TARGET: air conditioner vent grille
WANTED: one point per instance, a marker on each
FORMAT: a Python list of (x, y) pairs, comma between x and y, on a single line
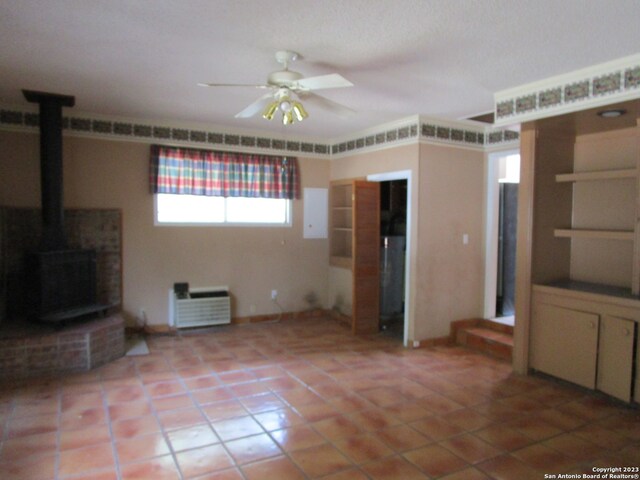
[(204, 310)]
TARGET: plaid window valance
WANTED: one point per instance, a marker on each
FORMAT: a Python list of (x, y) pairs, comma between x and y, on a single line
[(190, 171)]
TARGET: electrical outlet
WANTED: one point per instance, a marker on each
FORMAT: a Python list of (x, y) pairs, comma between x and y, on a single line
[(274, 294)]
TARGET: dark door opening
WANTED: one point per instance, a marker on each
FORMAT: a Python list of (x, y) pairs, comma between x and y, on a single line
[(393, 230), (507, 227)]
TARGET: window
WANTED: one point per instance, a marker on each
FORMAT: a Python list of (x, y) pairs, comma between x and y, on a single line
[(205, 187), (203, 210)]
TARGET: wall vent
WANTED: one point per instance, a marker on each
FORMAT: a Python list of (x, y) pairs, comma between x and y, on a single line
[(202, 307)]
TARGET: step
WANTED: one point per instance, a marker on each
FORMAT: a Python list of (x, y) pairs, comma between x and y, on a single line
[(489, 337), (487, 341)]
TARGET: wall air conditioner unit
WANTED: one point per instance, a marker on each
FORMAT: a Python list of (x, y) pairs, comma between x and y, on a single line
[(201, 307)]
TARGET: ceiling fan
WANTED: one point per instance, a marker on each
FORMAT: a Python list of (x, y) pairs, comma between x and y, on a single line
[(287, 88)]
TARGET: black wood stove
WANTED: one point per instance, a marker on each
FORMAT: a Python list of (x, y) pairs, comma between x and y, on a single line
[(61, 281)]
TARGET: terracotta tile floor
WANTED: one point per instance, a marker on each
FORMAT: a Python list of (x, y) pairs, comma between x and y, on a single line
[(305, 399)]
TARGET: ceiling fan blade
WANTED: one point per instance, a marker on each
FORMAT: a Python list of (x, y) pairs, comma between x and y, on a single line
[(232, 85), (325, 103), (333, 80), (256, 106)]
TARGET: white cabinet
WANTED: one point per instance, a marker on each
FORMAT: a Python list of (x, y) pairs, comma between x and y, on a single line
[(565, 343), (615, 357), (585, 337)]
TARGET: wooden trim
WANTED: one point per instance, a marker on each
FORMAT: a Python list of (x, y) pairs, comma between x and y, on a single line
[(433, 342), (273, 317), (341, 317), (159, 330)]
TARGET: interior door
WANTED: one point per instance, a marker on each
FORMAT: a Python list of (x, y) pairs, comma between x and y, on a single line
[(366, 257)]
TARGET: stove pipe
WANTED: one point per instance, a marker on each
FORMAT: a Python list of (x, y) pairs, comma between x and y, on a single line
[(51, 185)]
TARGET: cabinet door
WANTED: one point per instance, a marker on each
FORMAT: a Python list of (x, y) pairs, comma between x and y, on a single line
[(366, 257), (564, 343), (615, 357)]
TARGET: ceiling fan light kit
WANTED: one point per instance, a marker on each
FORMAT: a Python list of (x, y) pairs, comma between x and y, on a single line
[(285, 85), (291, 109), (299, 111)]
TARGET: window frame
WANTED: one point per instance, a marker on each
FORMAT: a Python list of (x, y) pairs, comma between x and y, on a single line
[(287, 224)]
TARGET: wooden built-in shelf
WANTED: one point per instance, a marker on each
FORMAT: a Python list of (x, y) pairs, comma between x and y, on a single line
[(342, 229), (598, 175), (601, 234)]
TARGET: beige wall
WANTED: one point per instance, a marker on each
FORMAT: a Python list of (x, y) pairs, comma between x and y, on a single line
[(251, 261), (447, 188), (446, 202), (450, 274)]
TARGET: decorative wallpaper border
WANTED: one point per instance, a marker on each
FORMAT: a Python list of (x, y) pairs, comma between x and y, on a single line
[(154, 133), (598, 85), (430, 131), (379, 139), (482, 137)]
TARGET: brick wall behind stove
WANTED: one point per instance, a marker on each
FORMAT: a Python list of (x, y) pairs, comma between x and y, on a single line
[(20, 231)]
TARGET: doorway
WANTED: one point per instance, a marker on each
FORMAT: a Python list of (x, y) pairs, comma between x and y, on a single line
[(401, 195), (393, 235), (503, 177), (507, 230)]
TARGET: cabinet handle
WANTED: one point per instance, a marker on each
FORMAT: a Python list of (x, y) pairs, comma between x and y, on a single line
[(592, 324)]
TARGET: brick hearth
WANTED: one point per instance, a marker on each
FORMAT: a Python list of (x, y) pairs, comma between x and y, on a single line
[(40, 350)]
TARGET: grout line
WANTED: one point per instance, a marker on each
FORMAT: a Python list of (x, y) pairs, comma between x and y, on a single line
[(155, 413), (105, 404)]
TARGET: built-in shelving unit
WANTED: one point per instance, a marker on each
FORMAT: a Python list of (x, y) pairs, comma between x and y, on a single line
[(355, 245), (341, 221), (596, 176), (579, 244)]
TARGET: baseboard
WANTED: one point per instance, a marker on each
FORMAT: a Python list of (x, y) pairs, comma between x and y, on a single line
[(341, 317), (315, 313), (431, 342), (158, 330)]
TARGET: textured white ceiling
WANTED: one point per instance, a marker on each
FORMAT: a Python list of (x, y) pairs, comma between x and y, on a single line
[(442, 58)]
